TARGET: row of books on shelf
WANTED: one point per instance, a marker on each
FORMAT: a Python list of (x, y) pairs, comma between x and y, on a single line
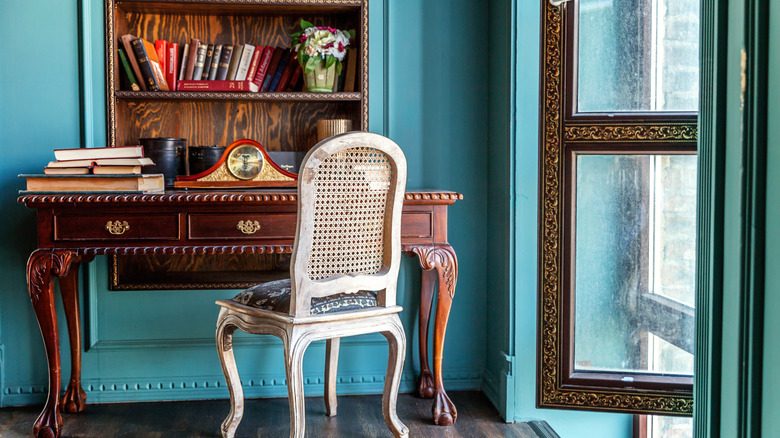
[(110, 169), (200, 66)]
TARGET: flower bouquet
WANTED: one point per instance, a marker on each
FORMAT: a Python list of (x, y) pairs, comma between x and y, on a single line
[(320, 52)]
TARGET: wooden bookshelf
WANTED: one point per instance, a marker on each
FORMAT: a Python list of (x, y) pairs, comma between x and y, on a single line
[(279, 121)]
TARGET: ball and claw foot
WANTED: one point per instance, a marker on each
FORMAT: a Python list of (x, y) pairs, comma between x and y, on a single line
[(444, 412), (425, 386), (48, 424), (74, 400)]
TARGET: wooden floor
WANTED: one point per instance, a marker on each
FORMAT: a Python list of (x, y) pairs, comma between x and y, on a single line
[(358, 416)]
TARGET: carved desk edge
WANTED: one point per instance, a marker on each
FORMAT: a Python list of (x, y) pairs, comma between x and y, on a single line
[(417, 197)]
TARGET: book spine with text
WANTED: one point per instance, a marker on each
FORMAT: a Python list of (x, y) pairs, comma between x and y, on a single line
[(200, 62), (224, 62), (269, 74), (262, 67), (127, 43), (215, 62), (236, 86), (159, 74), (170, 65), (143, 64), (161, 47), (250, 74), (246, 59), (207, 62)]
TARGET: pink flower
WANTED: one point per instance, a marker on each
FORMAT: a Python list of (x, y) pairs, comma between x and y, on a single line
[(341, 47)]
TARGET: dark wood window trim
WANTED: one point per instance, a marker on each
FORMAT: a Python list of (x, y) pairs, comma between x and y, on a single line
[(565, 134)]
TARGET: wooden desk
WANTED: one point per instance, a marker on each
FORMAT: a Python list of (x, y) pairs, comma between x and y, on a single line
[(72, 229)]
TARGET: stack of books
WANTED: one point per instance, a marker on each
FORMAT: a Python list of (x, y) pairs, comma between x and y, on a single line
[(114, 169), (214, 67), (122, 160)]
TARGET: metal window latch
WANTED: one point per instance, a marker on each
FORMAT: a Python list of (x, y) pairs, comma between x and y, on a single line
[(558, 2)]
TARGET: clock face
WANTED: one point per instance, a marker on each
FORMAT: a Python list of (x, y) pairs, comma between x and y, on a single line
[(245, 162)]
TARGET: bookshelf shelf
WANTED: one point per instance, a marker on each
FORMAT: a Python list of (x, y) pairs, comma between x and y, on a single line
[(218, 96), (282, 121)]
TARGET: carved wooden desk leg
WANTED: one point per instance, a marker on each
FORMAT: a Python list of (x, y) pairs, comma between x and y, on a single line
[(425, 385), (75, 399), (440, 257), (42, 267)]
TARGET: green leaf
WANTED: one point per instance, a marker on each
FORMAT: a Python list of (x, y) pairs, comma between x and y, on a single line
[(305, 24), (338, 68), (350, 33), (329, 60), (296, 35), (311, 63)]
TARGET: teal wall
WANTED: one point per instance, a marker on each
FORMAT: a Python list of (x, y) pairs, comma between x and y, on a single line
[(158, 345)]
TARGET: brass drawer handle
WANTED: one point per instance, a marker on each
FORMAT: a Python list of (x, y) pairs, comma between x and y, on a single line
[(116, 227), (248, 227)]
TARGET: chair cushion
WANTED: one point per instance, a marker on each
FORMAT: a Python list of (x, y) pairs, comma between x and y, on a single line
[(275, 296)]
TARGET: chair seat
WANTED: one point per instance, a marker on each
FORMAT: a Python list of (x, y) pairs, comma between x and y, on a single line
[(275, 296)]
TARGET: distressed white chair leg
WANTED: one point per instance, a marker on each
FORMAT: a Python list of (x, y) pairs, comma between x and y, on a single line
[(395, 364), (293, 359), (225, 349), (331, 369)]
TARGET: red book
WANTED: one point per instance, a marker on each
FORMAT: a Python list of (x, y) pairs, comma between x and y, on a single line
[(250, 74), (171, 62), (288, 71), (262, 67), (278, 53), (235, 86), (296, 77), (161, 47)]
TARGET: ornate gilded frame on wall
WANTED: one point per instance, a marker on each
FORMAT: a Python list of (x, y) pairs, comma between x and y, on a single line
[(559, 127)]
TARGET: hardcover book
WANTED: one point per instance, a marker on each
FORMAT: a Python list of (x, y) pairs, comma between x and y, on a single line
[(161, 48), (127, 44), (269, 74), (89, 162), (154, 62), (225, 86), (234, 61), (207, 62), (215, 62), (262, 66), (250, 74), (128, 70), (185, 55), (246, 60), (200, 62), (191, 55), (170, 65), (296, 78), (95, 183), (224, 62), (279, 71), (292, 63), (93, 153)]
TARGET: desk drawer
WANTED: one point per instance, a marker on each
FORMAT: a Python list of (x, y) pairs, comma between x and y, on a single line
[(119, 226), (220, 226)]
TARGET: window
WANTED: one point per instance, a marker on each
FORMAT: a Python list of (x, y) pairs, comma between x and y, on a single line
[(618, 207)]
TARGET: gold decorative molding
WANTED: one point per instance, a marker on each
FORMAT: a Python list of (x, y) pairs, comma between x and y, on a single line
[(551, 392), (673, 132)]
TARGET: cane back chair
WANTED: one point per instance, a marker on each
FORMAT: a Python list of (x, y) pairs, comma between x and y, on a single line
[(343, 273)]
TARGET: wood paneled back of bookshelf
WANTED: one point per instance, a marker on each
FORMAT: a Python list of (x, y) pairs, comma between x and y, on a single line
[(278, 120)]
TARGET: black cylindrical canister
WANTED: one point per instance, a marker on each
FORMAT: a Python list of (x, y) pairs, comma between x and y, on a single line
[(168, 155), (203, 157)]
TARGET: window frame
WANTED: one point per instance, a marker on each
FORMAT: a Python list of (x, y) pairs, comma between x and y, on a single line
[(565, 134)]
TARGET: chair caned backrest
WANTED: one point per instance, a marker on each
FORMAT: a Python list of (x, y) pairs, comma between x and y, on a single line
[(350, 196)]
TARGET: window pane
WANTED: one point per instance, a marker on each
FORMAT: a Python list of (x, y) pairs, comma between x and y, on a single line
[(669, 427), (634, 258), (638, 55)]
